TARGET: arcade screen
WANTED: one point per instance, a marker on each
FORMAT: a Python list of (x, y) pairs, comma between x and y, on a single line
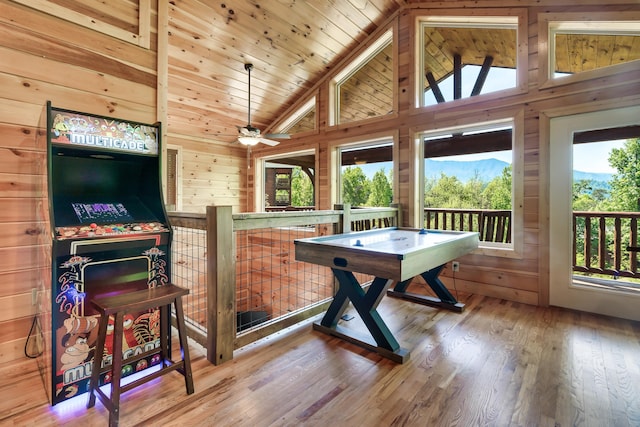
[(117, 189), (102, 213)]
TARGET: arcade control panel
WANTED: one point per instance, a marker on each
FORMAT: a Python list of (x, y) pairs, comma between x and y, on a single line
[(97, 230)]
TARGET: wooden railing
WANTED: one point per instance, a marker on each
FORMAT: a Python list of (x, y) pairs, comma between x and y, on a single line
[(230, 245), (606, 243), (492, 225)]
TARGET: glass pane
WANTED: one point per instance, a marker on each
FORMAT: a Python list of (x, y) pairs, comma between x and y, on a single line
[(606, 209), (367, 175), (368, 92), (485, 57), (468, 183), (577, 52)]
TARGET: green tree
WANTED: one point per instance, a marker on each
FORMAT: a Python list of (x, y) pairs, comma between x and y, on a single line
[(445, 192), (355, 186), (381, 192), (588, 195), (497, 193), (625, 186), (301, 188)]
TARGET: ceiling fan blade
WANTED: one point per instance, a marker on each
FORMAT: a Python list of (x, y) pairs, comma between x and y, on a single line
[(278, 135), (269, 142)]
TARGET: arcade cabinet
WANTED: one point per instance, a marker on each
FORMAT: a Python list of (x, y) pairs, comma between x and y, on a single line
[(110, 234)]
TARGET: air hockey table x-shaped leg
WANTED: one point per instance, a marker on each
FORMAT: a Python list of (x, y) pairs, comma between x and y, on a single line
[(366, 304)]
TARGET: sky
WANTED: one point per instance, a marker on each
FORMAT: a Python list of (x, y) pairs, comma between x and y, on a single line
[(594, 157), (591, 157)]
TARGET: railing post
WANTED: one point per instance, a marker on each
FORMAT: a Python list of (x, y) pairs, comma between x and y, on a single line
[(398, 213), (344, 226), (221, 285)]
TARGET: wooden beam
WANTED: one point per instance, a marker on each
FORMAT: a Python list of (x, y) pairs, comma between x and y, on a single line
[(482, 75), (467, 144), (457, 76), (606, 134), (369, 155), (435, 88)]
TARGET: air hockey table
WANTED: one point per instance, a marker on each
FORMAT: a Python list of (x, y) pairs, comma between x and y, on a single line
[(391, 255)]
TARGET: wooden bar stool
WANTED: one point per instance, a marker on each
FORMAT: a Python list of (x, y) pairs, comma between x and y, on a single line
[(118, 306)]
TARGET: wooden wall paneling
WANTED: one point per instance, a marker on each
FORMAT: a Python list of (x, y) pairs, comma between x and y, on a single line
[(20, 233), (43, 69), (210, 172), (23, 185), (16, 307), (31, 91), (19, 137), (19, 209), (62, 41), (14, 331), (500, 292), (130, 23), (20, 281), (19, 161)]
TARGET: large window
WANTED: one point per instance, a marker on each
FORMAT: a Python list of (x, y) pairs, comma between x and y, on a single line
[(365, 88), (462, 56), (473, 181)]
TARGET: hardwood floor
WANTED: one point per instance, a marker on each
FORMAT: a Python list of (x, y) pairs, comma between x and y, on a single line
[(498, 363)]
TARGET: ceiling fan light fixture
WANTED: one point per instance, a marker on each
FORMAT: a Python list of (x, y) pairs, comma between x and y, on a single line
[(248, 140)]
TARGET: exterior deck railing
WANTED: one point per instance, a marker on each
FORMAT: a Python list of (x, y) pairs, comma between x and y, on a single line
[(606, 243), (492, 225)]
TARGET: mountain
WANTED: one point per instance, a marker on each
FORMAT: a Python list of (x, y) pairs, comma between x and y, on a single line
[(486, 169), (592, 176)]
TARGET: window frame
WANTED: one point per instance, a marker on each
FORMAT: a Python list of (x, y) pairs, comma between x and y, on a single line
[(387, 36), (260, 175), (516, 120), (335, 158), (178, 175), (292, 119), (481, 18), (547, 28)]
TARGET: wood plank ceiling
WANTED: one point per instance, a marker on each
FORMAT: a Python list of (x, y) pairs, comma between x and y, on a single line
[(292, 44)]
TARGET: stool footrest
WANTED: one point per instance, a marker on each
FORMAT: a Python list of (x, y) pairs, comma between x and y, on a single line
[(153, 375)]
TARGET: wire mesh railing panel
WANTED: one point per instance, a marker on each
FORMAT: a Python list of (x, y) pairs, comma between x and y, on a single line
[(270, 283), (189, 270)]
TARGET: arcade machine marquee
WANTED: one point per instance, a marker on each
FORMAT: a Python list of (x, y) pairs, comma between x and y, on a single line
[(110, 234)]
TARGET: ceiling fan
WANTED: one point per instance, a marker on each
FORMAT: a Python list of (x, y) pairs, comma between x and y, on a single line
[(249, 135)]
